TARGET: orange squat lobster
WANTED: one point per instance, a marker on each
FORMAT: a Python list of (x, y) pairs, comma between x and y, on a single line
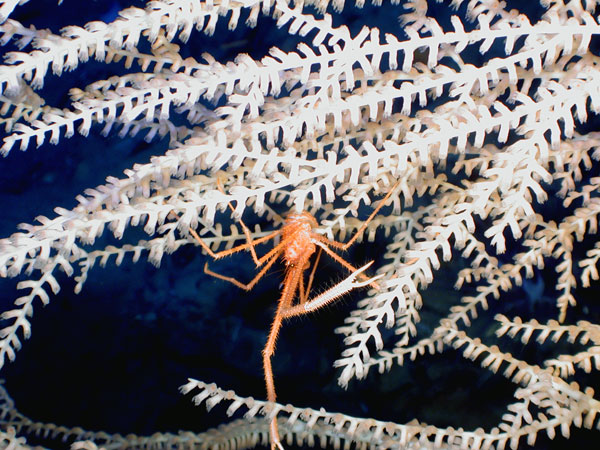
[(298, 243)]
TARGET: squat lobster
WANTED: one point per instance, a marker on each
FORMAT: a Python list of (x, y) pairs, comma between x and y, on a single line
[(298, 244)]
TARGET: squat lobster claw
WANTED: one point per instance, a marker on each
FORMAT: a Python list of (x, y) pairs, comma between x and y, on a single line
[(297, 245)]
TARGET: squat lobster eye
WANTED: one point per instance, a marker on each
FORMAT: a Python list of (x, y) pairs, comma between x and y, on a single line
[(297, 245)]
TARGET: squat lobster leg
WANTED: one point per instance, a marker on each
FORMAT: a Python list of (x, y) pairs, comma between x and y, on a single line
[(285, 310), (270, 257), (238, 248)]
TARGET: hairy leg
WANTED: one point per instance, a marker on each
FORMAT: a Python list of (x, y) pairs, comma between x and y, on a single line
[(332, 294), (238, 283), (361, 230), (321, 243), (248, 245)]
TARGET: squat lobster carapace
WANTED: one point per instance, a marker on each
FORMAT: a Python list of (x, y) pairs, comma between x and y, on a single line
[(298, 243)]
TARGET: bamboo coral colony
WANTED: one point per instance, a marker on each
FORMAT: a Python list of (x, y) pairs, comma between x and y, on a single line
[(478, 115)]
